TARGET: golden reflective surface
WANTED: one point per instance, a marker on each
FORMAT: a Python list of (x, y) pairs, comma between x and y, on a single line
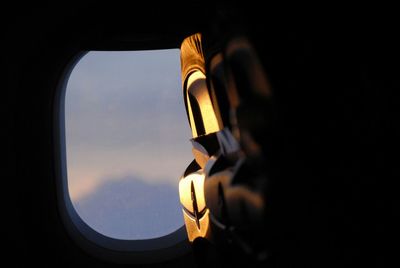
[(197, 88), (195, 213), (185, 192)]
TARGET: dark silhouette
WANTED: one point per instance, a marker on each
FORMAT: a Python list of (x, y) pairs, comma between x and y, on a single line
[(333, 154)]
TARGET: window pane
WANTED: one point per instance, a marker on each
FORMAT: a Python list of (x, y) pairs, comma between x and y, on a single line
[(127, 142)]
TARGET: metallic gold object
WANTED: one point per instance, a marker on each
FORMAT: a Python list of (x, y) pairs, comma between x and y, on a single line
[(195, 212), (222, 192)]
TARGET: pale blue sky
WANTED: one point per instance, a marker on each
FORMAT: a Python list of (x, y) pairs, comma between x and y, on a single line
[(125, 122)]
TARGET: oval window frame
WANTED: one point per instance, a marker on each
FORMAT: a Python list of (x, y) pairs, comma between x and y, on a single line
[(144, 251)]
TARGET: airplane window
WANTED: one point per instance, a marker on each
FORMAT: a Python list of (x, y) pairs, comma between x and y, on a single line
[(127, 142)]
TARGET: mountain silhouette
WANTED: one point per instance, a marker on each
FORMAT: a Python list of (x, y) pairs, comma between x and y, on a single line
[(131, 208)]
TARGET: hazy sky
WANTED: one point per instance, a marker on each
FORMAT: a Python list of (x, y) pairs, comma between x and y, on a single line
[(125, 118)]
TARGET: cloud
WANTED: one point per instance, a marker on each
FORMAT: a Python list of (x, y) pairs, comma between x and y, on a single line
[(125, 115), (130, 208), (88, 170)]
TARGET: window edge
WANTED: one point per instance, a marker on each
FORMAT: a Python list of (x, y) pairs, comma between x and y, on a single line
[(152, 250)]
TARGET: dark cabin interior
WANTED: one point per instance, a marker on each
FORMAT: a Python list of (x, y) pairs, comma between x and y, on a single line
[(332, 154)]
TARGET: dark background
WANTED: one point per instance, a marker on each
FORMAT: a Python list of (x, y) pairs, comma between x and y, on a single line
[(334, 159)]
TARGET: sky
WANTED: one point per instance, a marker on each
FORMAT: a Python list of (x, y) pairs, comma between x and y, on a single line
[(126, 128)]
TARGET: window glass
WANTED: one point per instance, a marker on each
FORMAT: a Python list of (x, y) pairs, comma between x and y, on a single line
[(127, 140)]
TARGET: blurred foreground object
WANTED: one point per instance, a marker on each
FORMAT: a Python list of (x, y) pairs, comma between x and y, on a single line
[(227, 98)]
